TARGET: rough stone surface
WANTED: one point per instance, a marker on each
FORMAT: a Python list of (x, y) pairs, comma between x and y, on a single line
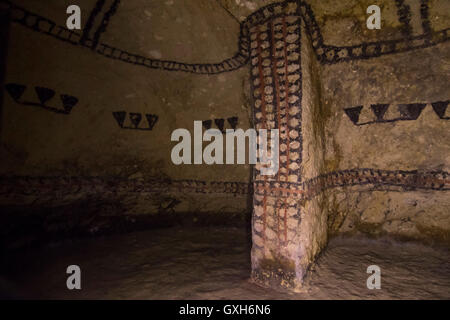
[(363, 116)]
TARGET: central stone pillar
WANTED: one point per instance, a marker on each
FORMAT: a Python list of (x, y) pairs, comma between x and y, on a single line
[(283, 241)]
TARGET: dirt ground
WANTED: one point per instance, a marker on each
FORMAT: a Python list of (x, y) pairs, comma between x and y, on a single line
[(214, 263)]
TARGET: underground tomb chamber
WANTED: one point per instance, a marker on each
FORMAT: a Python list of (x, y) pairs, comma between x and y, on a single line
[(362, 115), (333, 177)]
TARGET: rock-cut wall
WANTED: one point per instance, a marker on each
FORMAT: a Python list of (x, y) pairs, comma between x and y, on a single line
[(363, 116), (363, 134)]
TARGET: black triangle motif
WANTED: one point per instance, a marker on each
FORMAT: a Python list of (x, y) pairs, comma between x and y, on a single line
[(120, 117), (440, 107), (135, 119), (220, 123), (151, 119), (44, 94), (379, 110), (411, 111), (207, 124), (353, 113), (15, 90), (233, 121), (68, 102)]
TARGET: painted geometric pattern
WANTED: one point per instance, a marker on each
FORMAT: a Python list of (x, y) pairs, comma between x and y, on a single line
[(276, 86), (326, 54), (402, 112)]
